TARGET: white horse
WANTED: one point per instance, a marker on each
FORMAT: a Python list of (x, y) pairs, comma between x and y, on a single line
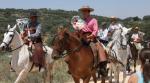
[(20, 61), (118, 54)]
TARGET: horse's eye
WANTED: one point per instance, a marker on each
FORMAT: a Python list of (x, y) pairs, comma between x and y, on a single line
[(11, 35)]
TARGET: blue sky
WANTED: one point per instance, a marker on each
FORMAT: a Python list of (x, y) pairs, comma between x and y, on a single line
[(118, 8)]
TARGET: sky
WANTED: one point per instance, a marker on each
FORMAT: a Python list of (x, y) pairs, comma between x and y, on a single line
[(118, 8)]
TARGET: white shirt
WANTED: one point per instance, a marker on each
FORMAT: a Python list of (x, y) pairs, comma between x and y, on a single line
[(113, 27), (135, 37), (102, 34)]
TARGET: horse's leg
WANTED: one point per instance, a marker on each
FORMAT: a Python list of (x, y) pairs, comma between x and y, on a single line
[(94, 77), (110, 71), (98, 72), (76, 80), (134, 65), (23, 74), (128, 65), (124, 74), (116, 73), (103, 79), (87, 79), (48, 75)]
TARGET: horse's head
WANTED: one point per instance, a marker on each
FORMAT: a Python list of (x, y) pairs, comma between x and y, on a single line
[(123, 37), (8, 37), (64, 41), (59, 43)]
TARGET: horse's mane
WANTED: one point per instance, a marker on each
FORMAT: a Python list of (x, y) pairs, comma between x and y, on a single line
[(17, 33), (116, 34), (74, 36)]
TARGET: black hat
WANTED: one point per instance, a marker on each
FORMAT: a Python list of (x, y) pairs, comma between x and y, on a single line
[(33, 14)]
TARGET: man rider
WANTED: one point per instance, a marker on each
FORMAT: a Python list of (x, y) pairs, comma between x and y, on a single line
[(114, 25), (91, 27), (136, 37), (102, 33), (32, 37)]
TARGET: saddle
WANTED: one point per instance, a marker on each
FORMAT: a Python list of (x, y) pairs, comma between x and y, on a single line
[(96, 46)]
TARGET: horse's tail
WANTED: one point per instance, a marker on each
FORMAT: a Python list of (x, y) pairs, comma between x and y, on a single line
[(31, 67)]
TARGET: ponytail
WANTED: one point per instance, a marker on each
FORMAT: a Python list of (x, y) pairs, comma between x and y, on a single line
[(145, 60)]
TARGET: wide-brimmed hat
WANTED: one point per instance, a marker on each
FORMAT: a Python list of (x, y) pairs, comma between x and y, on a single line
[(33, 14), (104, 23), (86, 8), (113, 17), (136, 28)]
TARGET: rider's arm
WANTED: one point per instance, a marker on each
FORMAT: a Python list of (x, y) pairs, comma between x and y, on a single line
[(95, 28), (105, 33), (38, 31)]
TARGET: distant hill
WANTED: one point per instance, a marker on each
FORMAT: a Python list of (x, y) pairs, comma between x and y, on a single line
[(51, 19)]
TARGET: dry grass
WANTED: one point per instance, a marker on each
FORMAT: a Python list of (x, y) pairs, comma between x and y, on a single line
[(59, 72)]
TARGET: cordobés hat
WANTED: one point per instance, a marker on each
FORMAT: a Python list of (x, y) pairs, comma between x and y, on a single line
[(86, 8)]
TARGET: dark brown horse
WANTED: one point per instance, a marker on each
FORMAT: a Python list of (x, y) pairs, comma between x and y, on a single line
[(78, 57), (134, 57)]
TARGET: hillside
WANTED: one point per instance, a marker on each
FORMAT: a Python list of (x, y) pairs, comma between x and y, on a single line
[(51, 19)]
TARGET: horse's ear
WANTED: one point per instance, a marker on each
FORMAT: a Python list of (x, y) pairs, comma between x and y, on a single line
[(8, 26), (15, 26), (66, 35)]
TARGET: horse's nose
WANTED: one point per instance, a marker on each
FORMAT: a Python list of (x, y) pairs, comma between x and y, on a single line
[(55, 56), (2, 48)]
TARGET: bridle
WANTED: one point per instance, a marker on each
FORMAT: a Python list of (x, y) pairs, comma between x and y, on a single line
[(8, 44), (121, 40), (62, 47)]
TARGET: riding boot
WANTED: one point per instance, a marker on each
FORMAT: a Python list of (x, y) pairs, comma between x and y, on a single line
[(103, 68)]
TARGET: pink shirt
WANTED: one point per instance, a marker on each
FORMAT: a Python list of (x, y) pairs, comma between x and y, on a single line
[(91, 26)]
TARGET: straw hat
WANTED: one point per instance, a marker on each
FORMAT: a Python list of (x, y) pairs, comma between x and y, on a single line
[(113, 17), (86, 8)]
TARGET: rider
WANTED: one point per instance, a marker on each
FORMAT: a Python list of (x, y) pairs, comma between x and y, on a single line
[(91, 27), (102, 33), (136, 37), (32, 37), (114, 25)]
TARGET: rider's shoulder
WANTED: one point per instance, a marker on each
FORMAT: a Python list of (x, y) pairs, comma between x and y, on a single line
[(94, 19)]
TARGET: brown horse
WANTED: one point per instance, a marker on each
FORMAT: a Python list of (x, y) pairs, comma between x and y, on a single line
[(78, 57)]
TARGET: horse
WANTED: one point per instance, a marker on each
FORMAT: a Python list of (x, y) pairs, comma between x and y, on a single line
[(20, 61), (133, 55), (79, 57), (118, 54)]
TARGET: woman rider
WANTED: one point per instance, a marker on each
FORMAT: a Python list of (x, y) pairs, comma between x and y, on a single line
[(143, 75)]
